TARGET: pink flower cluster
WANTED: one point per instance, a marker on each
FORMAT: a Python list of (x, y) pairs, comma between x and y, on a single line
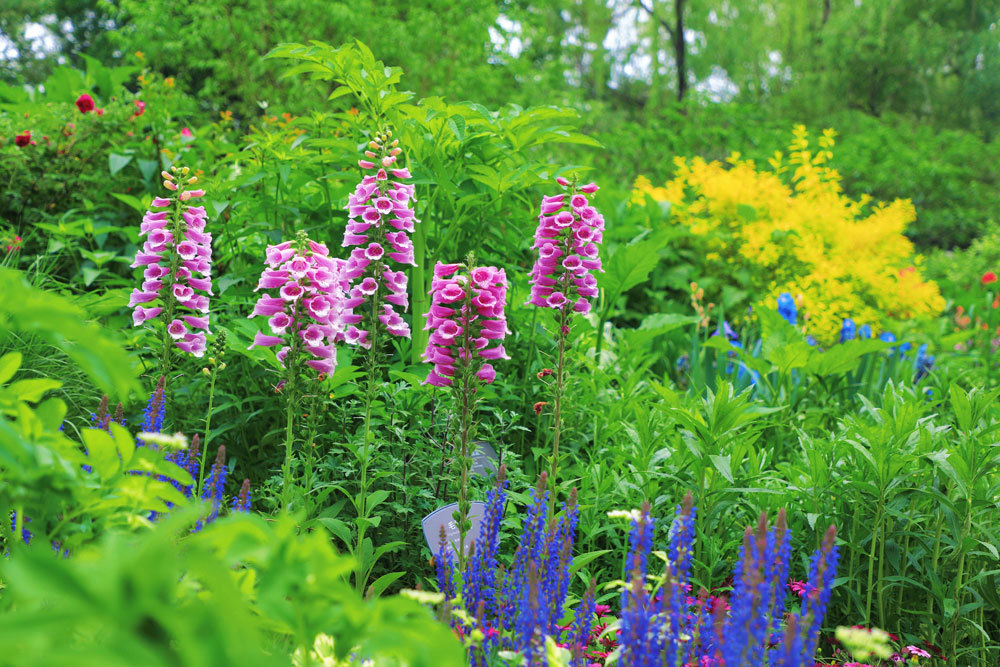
[(311, 311), (466, 313), (379, 221), (177, 264), (569, 231)]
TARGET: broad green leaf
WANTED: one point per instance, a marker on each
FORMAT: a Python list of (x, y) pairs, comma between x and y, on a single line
[(32, 390), (117, 162), (9, 363)]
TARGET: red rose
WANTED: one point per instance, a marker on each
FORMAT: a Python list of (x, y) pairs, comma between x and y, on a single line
[(140, 107), (85, 103), (23, 140), (988, 278)]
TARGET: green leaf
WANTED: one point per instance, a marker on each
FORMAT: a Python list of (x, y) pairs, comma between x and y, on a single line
[(90, 275), (149, 168), (132, 202), (582, 560), (722, 464), (117, 162), (9, 363), (379, 585), (337, 528), (33, 390), (843, 358), (101, 453), (630, 265), (962, 406), (59, 322)]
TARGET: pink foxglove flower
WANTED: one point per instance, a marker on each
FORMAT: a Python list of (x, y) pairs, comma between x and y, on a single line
[(307, 310), (567, 238), (467, 323), (380, 220), (176, 259)]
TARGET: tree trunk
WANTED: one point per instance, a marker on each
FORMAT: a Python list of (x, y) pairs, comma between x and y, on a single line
[(680, 49)]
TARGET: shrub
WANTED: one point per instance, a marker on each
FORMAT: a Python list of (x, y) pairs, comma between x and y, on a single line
[(791, 228)]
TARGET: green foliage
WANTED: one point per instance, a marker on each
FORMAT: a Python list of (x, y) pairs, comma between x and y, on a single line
[(229, 595), (61, 324), (907, 470)]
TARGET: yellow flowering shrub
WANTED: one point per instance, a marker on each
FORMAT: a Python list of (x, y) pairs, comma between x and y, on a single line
[(791, 228)]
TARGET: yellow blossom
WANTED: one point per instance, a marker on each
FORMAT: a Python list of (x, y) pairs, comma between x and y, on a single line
[(790, 228)]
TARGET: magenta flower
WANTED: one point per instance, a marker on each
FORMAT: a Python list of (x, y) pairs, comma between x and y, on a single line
[(567, 239), (311, 311), (379, 223), (176, 259), (465, 317)]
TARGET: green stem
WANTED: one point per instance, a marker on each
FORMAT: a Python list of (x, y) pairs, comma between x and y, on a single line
[(286, 469), (290, 388), (871, 565), (177, 230), (959, 583), (557, 411), (934, 561), (208, 429), (361, 504), (467, 401), (18, 526), (419, 336), (527, 370)]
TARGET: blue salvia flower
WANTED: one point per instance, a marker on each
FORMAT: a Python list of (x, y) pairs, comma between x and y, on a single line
[(888, 337), (445, 566), (777, 572), (702, 640), (480, 577), (675, 589), (822, 570), (241, 503), (583, 619), (215, 485), (530, 617), (528, 574), (532, 539), (745, 600), (639, 636), (848, 331), (156, 410), (559, 556), (517, 609), (26, 534), (865, 332), (746, 636), (786, 308)]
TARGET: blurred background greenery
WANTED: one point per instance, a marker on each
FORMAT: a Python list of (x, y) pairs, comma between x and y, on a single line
[(912, 87)]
